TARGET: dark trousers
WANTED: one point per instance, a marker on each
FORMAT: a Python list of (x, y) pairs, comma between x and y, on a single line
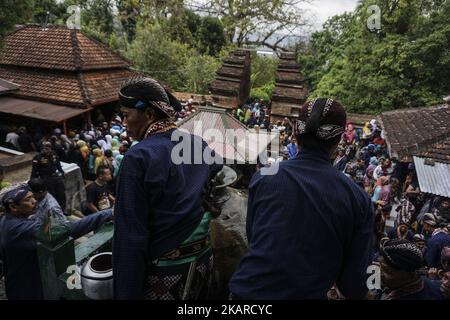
[(57, 189)]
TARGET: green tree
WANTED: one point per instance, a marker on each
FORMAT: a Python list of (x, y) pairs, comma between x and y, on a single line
[(13, 12), (263, 70), (48, 11), (256, 22), (199, 73), (211, 36), (155, 53), (405, 64)]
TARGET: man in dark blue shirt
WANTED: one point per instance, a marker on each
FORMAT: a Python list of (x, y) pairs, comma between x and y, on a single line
[(18, 242), (309, 226), (159, 203)]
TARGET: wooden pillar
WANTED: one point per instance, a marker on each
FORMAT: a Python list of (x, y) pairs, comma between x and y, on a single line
[(65, 127), (88, 120)]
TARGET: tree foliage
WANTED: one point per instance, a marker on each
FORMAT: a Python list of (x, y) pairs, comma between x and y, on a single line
[(256, 22), (405, 64), (13, 12)]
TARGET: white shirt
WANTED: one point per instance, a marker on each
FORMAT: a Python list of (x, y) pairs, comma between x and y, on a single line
[(13, 138)]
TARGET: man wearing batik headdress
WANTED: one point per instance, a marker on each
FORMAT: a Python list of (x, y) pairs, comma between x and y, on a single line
[(400, 261), (18, 241), (309, 227), (161, 245)]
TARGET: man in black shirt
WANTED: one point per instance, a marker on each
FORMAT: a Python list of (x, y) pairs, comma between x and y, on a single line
[(25, 141), (46, 165), (98, 194)]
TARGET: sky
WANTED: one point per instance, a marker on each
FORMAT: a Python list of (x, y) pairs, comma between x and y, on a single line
[(323, 9)]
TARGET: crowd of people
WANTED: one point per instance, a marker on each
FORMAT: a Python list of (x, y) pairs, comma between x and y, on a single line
[(337, 205), (98, 152)]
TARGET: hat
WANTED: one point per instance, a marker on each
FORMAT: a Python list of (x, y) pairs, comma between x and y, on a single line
[(324, 118), (401, 254), (15, 195), (429, 219), (419, 237), (142, 92)]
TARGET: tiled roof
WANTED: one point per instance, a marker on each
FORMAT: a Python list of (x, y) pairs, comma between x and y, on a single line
[(103, 87), (57, 48), (439, 151), (73, 89), (47, 86), (411, 131)]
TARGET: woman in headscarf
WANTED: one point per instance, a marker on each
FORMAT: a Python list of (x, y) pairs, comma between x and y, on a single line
[(349, 135), (367, 133), (373, 163), (117, 163), (99, 159), (67, 144), (81, 143), (115, 144), (91, 163), (108, 139), (103, 145), (382, 181), (373, 124)]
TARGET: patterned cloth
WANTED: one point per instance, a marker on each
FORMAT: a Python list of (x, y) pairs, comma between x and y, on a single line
[(402, 254), (323, 129), (168, 283)]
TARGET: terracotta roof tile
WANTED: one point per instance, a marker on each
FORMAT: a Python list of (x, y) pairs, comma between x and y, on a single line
[(47, 86), (439, 151), (411, 131), (102, 87), (57, 48)]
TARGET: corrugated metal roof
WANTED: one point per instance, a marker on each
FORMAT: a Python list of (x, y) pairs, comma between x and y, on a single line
[(433, 178), (234, 141)]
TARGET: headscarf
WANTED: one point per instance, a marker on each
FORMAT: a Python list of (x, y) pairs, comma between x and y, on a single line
[(401, 254), (117, 163), (115, 144), (81, 144), (374, 161), (99, 158), (84, 152), (103, 145), (108, 141)]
